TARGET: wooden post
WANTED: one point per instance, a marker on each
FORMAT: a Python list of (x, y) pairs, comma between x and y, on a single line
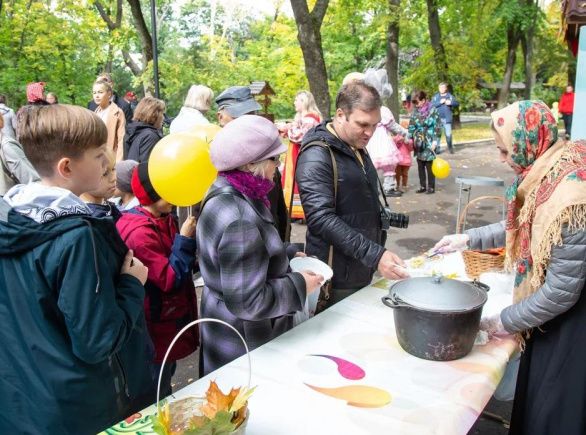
[(579, 128)]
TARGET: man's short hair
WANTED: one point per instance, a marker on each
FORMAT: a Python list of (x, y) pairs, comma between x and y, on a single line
[(148, 110), (443, 84), (358, 95), (50, 133), (2, 99)]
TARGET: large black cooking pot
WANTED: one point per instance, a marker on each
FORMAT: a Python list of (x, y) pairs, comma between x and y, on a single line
[(437, 318)]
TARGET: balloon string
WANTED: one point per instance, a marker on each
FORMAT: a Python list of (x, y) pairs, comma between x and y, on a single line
[(189, 211)]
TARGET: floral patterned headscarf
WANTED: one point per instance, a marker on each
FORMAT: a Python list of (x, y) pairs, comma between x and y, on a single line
[(547, 193)]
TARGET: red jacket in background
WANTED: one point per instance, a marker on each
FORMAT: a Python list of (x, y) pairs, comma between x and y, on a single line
[(170, 302), (567, 103)]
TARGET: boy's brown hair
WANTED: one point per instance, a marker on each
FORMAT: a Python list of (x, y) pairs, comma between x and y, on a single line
[(50, 133), (149, 110)]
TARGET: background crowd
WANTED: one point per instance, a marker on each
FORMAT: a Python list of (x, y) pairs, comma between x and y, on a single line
[(102, 265)]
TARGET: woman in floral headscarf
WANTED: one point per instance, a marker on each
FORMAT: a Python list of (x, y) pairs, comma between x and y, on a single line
[(545, 240)]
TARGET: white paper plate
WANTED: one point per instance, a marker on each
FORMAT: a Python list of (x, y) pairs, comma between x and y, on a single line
[(299, 264)]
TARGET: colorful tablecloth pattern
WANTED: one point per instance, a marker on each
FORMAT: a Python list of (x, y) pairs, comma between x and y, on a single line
[(343, 372)]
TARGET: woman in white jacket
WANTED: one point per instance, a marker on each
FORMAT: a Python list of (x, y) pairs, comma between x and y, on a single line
[(197, 103)]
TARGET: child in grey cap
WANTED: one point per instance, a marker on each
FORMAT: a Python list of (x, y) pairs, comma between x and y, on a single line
[(126, 199)]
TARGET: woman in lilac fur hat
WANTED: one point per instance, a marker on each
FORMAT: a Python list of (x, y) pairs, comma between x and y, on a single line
[(244, 264)]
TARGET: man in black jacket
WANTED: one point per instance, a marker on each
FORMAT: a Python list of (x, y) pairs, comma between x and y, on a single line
[(350, 221)]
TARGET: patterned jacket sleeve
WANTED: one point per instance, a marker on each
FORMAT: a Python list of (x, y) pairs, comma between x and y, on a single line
[(298, 128), (247, 290), (436, 125), (566, 275)]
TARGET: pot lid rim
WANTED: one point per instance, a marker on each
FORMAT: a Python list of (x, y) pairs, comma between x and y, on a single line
[(400, 291)]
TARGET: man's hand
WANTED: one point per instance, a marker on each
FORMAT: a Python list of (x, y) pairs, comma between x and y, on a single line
[(391, 266)]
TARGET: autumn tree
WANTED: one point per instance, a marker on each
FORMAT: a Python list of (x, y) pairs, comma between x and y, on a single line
[(309, 37), (392, 61), (435, 36)]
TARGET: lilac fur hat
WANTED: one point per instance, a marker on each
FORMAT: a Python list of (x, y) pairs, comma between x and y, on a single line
[(247, 139)]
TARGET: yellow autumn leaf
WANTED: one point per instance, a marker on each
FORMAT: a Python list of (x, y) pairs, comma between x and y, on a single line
[(241, 398)]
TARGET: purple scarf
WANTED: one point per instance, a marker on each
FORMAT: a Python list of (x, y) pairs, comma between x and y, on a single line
[(249, 185), (425, 109)]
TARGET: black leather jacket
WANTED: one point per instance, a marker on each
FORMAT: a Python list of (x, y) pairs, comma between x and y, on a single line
[(353, 225)]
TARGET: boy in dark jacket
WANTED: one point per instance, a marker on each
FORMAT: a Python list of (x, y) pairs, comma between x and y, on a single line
[(97, 199), (72, 357), (170, 303)]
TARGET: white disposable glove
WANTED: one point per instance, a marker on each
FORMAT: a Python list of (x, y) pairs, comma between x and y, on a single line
[(451, 243), (493, 325)]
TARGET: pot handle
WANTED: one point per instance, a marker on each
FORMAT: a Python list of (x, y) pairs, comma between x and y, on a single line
[(392, 302), (480, 285)]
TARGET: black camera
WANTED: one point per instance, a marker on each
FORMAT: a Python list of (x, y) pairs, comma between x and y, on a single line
[(390, 219)]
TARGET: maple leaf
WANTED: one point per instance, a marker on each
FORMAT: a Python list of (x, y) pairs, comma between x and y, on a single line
[(217, 401), (221, 424)]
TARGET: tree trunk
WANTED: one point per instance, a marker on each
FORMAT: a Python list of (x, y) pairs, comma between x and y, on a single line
[(309, 36), (527, 46), (527, 43), (512, 44), (143, 31), (435, 35), (393, 56), (115, 23)]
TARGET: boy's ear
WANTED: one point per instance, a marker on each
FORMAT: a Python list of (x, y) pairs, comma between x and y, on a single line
[(64, 168)]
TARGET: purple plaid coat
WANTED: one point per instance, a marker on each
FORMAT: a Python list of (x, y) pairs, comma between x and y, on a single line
[(248, 283)]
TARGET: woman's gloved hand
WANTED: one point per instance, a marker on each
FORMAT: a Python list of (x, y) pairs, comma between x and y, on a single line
[(451, 243), (493, 325)]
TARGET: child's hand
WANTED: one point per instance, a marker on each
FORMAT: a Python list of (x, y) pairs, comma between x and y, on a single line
[(188, 227), (134, 267)]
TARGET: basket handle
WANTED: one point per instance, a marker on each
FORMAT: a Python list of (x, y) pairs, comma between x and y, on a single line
[(475, 200), (185, 328)]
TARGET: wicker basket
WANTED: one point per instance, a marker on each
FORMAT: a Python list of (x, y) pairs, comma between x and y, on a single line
[(479, 262)]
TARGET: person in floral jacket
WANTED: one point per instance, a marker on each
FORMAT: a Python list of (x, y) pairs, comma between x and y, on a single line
[(425, 129)]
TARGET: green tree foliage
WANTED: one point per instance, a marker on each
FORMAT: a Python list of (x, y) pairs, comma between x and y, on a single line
[(66, 44), (60, 43)]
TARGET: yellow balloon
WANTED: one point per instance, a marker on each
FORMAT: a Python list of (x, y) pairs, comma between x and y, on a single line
[(181, 170), (440, 168), (205, 132)]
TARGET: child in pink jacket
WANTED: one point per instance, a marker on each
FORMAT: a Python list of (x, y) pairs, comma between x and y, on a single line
[(405, 148)]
